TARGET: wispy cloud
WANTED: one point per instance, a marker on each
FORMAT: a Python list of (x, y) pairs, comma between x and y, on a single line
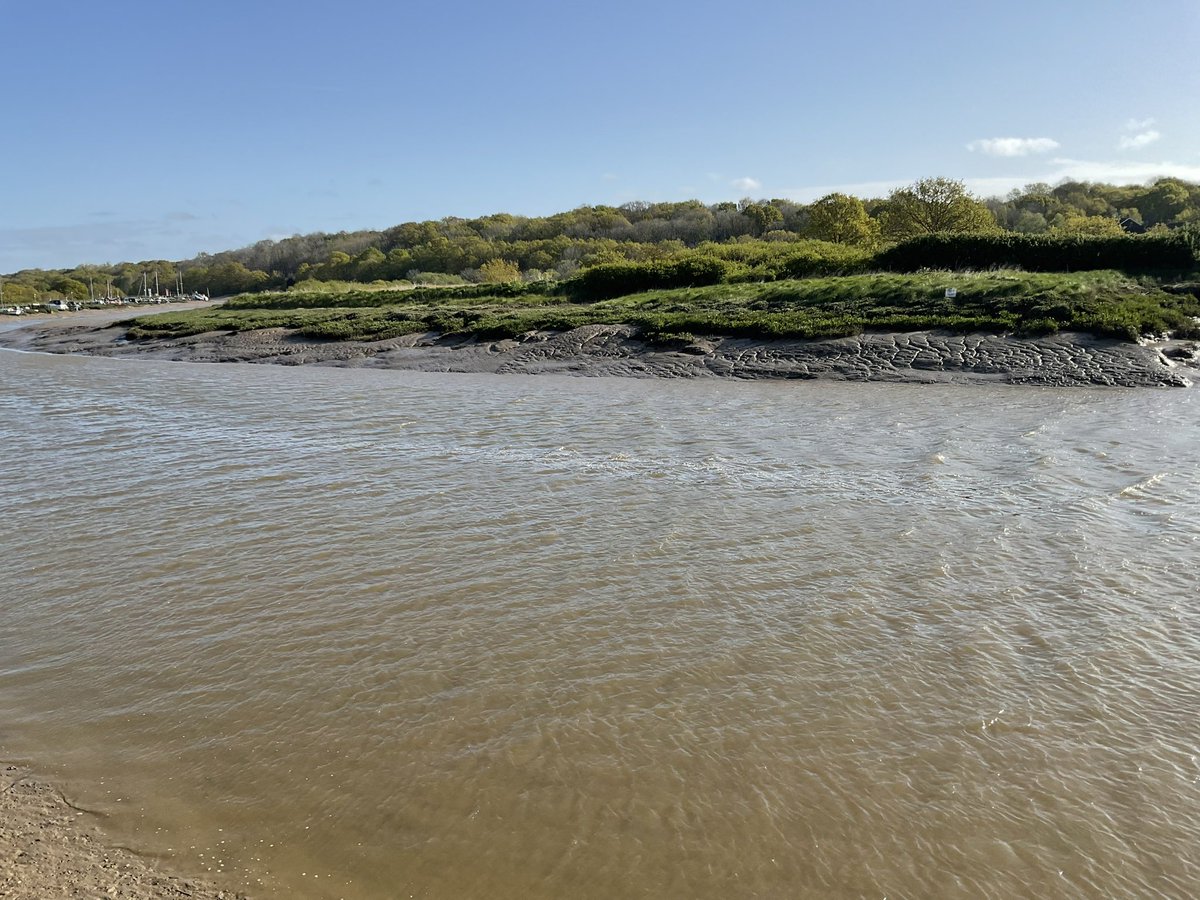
[(746, 184), (1138, 134), (1141, 139), (1013, 146)]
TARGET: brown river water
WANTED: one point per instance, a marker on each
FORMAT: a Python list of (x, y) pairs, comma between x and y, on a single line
[(361, 634)]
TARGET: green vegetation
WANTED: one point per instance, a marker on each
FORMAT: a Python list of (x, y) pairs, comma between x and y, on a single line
[(934, 206), (1168, 251), (1041, 260), (1107, 303), (503, 247)]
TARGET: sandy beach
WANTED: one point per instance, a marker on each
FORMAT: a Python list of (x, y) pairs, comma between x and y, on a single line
[(1063, 360), (50, 848)]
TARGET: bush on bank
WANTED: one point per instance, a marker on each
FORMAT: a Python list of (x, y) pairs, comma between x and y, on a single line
[(609, 280), (1174, 251)]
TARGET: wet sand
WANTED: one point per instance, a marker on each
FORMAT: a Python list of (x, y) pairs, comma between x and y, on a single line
[(50, 848), (617, 350)]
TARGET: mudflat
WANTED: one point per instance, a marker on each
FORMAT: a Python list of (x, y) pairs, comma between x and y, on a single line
[(1063, 360)]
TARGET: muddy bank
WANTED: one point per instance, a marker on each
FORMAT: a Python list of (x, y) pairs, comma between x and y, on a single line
[(617, 350), (50, 848)]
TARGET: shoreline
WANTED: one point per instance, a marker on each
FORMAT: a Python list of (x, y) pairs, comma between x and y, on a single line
[(51, 848), (926, 357)]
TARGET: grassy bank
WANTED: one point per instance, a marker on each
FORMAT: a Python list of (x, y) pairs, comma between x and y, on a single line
[(1104, 303)]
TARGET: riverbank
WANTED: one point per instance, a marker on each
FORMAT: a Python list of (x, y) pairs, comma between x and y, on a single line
[(1063, 360), (50, 848)]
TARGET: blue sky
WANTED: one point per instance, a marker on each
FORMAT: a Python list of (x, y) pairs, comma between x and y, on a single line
[(136, 130)]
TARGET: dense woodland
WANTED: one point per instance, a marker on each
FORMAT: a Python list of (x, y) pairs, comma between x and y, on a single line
[(754, 234)]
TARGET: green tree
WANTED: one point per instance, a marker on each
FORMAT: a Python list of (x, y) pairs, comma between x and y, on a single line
[(843, 220), (232, 278), (69, 287), (499, 271), (1164, 201), (932, 205), (763, 215), (369, 264), (399, 261), (1028, 222), (1097, 226)]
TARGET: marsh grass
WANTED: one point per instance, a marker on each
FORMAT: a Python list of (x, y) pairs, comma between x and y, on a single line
[(1105, 303)]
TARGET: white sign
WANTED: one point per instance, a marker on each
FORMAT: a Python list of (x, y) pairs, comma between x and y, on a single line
[(951, 293)]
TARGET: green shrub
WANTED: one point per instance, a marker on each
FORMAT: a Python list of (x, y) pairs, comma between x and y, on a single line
[(1174, 251), (1038, 327), (619, 279), (434, 278), (811, 259)]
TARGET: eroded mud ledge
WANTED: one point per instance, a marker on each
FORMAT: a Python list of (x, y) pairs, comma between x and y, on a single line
[(617, 350)]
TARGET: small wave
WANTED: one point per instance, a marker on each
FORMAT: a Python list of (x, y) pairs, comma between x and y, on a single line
[(1141, 487)]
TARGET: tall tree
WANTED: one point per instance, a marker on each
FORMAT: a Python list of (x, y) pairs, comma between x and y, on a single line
[(932, 205), (1164, 201), (1095, 226), (763, 215), (843, 220), (499, 271)]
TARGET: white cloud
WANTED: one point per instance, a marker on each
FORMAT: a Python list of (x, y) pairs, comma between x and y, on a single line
[(746, 184), (1138, 134), (1011, 146), (1141, 139)]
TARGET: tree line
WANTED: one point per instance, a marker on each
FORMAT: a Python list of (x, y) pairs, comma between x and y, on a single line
[(505, 247)]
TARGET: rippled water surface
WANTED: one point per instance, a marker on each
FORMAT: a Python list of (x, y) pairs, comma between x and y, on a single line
[(334, 633)]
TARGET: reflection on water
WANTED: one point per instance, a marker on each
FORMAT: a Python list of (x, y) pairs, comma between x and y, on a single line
[(373, 634)]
